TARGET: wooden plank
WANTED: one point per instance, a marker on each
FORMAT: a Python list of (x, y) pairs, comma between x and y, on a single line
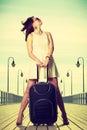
[(77, 115), (8, 120), (24, 124), (7, 124), (47, 128), (6, 111), (72, 124)]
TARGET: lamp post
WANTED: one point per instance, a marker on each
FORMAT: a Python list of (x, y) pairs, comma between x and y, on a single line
[(62, 81), (24, 81), (78, 65), (69, 73), (20, 73), (13, 65)]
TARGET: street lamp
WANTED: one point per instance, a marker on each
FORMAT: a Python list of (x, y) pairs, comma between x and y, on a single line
[(20, 73), (62, 81), (69, 73), (13, 65), (78, 65)]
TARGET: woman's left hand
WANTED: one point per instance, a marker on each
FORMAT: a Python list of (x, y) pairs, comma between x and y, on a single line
[(45, 63)]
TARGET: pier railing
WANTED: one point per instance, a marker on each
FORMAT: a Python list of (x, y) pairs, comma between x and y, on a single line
[(7, 98), (80, 98)]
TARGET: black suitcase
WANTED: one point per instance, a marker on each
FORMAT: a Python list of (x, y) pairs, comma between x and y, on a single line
[(42, 103)]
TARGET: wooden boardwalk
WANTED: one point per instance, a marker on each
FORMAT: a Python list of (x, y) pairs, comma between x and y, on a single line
[(77, 115)]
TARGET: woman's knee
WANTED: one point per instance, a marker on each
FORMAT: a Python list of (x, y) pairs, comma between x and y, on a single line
[(30, 83), (54, 81)]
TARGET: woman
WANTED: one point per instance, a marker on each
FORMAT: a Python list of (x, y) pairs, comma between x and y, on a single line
[(40, 49)]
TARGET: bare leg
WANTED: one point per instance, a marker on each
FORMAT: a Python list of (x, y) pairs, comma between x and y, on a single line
[(60, 103), (24, 101)]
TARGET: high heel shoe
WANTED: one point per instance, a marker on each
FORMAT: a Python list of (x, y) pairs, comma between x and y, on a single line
[(65, 120), (19, 119)]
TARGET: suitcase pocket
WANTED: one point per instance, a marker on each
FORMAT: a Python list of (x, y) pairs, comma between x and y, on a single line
[(43, 111)]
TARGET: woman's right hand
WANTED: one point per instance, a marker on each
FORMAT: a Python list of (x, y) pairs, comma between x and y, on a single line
[(39, 63)]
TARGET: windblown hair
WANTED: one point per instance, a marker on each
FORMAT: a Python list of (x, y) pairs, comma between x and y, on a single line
[(28, 28)]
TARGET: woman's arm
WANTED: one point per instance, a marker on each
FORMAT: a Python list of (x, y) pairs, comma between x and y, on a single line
[(50, 49), (30, 50), (51, 44)]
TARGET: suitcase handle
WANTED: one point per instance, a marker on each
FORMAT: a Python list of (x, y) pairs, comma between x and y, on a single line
[(38, 73)]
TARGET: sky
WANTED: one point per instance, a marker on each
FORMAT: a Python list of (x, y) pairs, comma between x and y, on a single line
[(66, 20)]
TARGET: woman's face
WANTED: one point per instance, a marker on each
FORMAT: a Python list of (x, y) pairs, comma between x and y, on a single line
[(36, 22)]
